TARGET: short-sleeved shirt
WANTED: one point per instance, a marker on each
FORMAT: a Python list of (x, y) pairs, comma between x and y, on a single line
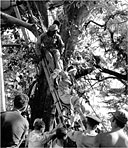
[(13, 128), (82, 139), (37, 139)]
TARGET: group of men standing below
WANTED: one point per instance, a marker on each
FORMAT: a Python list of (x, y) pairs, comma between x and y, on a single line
[(14, 128)]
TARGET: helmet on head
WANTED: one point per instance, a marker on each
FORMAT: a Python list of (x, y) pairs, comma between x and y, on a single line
[(53, 28)]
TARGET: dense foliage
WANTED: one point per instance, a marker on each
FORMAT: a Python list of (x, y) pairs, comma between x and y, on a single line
[(19, 69)]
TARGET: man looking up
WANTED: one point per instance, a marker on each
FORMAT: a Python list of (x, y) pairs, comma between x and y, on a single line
[(116, 137)]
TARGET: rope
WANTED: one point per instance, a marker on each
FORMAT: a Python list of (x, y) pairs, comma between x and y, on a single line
[(93, 109), (96, 113)]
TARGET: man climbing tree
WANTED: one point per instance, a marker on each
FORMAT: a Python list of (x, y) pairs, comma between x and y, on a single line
[(50, 41)]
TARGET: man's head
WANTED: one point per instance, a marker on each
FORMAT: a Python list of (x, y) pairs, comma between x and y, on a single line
[(120, 117), (21, 102), (61, 133), (52, 29), (39, 124), (93, 121)]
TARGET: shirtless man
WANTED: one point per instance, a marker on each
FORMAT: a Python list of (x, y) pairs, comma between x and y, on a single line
[(116, 137)]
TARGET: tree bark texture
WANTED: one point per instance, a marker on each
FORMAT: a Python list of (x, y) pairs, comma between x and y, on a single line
[(75, 17), (42, 102)]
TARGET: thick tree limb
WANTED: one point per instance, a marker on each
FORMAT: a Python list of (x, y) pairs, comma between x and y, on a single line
[(117, 75), (19, 22)]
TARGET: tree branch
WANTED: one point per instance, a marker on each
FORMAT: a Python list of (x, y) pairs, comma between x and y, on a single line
[(13, 20), (103, 80), (117, 75), (12, 45), (105, 24)]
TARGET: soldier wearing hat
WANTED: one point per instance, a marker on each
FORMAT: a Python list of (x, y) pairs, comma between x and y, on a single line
[(49, 41), (85, 138), (116, 137)]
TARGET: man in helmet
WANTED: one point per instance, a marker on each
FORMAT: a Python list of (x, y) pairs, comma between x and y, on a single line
[(50, 41)]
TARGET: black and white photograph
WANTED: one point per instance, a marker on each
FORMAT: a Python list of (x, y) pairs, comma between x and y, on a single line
[(64, 74)]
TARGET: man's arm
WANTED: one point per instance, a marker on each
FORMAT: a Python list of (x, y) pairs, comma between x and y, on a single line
[(73, 135), (60, 44), (47, 137)]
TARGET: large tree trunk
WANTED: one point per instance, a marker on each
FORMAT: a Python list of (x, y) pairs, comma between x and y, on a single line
[(72, 27), (42, 102)]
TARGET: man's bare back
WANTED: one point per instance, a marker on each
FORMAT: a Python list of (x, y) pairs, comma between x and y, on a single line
[(116, 137), (112, 139)]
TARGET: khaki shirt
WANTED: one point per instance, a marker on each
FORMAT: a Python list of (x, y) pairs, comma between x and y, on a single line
[(82, 139)]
